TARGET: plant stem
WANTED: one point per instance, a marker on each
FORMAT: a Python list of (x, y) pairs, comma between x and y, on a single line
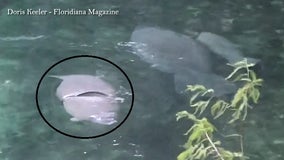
[(213, 145), (247, 67)]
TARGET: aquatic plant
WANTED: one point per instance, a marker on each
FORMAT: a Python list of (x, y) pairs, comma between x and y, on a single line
[(201, 143)]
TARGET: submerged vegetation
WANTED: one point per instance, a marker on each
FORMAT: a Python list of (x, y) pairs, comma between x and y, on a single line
[(201, 143)]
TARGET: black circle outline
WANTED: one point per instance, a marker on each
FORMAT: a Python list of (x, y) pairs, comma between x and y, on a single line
[(83, 137)]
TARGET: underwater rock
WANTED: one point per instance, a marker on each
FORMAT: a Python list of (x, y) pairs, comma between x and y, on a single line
[(189, 60), (87, 97)]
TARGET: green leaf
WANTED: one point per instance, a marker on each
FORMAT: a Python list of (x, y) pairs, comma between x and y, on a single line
[(233, 73), (238, 97), (219, 108), (239, 63), (181, 115), (238, 66), (217, 142), (252, 75), (194, 88), (215, 107), (184, 114), (258, 82), (194, 97), (236, 115), (196, 135), (200, 106), (240, 77), (245, 113), (207, 126), (207, 91), (184, 155), (201, 153), (254, 94), (245, 79)]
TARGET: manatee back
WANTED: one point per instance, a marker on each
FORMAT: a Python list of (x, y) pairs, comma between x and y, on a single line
[(170, 51)]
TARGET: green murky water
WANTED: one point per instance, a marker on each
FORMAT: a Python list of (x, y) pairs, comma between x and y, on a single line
[(31, 44)]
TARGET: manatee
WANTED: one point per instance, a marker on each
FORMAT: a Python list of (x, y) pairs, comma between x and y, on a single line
[(223, 47), (98, 109), (187, 59), (73, 85), (87, 97), (169, 51)]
